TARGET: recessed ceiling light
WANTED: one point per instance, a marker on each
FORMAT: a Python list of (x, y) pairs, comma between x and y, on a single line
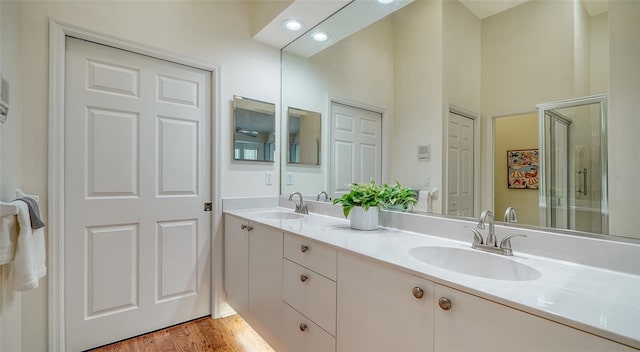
[(385, 1), (293, 24), (320, 36)]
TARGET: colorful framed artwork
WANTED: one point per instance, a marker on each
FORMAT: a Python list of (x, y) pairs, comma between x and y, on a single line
[(522, 169)]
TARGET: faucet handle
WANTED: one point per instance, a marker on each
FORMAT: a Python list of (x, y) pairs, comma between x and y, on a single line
[(477, 237), (506, 242)]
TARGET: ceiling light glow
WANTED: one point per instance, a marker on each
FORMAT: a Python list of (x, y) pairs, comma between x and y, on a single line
[(293, 24), (385, 1), (320, 36)]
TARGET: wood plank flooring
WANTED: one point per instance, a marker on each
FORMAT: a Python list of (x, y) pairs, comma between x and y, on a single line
[(205, 334)]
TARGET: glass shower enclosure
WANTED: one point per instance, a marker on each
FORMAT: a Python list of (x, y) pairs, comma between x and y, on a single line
[(573, 162)]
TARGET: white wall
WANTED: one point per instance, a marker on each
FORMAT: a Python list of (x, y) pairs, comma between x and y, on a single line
[(10, 169), (624, 121), (599, 45), (582, 50), (418, 95), (217, 32)]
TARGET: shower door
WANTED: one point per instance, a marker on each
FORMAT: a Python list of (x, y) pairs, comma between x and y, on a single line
[(558, 155), (573, 189)]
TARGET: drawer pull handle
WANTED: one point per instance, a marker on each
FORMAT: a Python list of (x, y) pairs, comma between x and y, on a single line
[(243, 226), (444, 303), (303, 326), (304, 248), (418, 292), (303, 277)]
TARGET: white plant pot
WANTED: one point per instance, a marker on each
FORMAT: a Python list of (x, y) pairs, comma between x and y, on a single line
[(364, 220)]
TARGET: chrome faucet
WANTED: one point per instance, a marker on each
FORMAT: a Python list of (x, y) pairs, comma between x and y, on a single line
[(510, 216), (326, 196), (300, 207), (490, 244), (491, 236)]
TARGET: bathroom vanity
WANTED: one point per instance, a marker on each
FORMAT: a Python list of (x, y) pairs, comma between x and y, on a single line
[(310, 283)]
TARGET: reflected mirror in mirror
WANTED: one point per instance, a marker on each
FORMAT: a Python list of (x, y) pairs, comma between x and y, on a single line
[(254, 129), (432, 57), (304, 136)]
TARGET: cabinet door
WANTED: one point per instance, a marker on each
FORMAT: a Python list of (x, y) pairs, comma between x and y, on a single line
[(236, 263), (265, 282), (476, 324), (377, 310)]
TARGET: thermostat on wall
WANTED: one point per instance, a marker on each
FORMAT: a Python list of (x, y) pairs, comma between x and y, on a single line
[(424, 152)]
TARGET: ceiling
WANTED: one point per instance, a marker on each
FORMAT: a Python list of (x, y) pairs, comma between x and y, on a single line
[(486, 8), (313, 12)]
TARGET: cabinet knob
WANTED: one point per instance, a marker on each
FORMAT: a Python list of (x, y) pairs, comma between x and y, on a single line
[(304, 248), (303, 277), (418, 292), (303, 326), (250, 228), (444, 303), (243, 226)]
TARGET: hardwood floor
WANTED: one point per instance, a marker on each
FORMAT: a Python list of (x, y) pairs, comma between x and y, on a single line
[(205, 334)]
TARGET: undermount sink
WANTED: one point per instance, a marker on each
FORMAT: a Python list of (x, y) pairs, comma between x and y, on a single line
[(279, 215), (475, 263)]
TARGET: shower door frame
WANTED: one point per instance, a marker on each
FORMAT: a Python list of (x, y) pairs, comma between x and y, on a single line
[(544, 200)]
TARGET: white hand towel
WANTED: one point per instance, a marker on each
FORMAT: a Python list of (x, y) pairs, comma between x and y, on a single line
[(8, 236), (30, 261), (424, 202)]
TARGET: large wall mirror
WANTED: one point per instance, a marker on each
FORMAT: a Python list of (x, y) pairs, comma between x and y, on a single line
[(254, 130), (443, 75)]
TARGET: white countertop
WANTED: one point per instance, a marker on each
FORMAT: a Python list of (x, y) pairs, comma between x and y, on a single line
[(603, 302)]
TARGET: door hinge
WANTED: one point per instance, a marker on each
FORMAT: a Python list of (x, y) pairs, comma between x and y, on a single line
[(208, 206)]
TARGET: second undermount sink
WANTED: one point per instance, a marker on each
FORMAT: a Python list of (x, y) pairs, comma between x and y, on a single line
[(279, 215), (475, 263)]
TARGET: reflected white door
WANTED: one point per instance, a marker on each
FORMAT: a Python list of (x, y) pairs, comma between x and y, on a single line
[(356, 147), (137, 172), (460, 188)]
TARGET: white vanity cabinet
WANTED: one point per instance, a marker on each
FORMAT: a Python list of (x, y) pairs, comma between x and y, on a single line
[(253, 275), (382, 309), (309, 295), (472, 323), (377, 311)]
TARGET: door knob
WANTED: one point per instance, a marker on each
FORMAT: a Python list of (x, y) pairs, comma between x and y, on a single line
[(444, 303)]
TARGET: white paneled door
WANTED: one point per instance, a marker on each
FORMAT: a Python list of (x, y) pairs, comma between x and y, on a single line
[(356, 147), (137, 172), (460, 170)]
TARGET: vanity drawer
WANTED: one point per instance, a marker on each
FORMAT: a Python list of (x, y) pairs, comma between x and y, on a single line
[(311, 254), (310, 294), (302, 334)]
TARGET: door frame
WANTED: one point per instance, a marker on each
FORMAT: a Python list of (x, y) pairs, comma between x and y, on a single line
[(58, 31), (489, 172), (475, 117), (384, 133)]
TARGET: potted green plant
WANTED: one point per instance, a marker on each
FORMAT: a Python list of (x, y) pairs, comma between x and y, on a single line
[(365, 199)]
